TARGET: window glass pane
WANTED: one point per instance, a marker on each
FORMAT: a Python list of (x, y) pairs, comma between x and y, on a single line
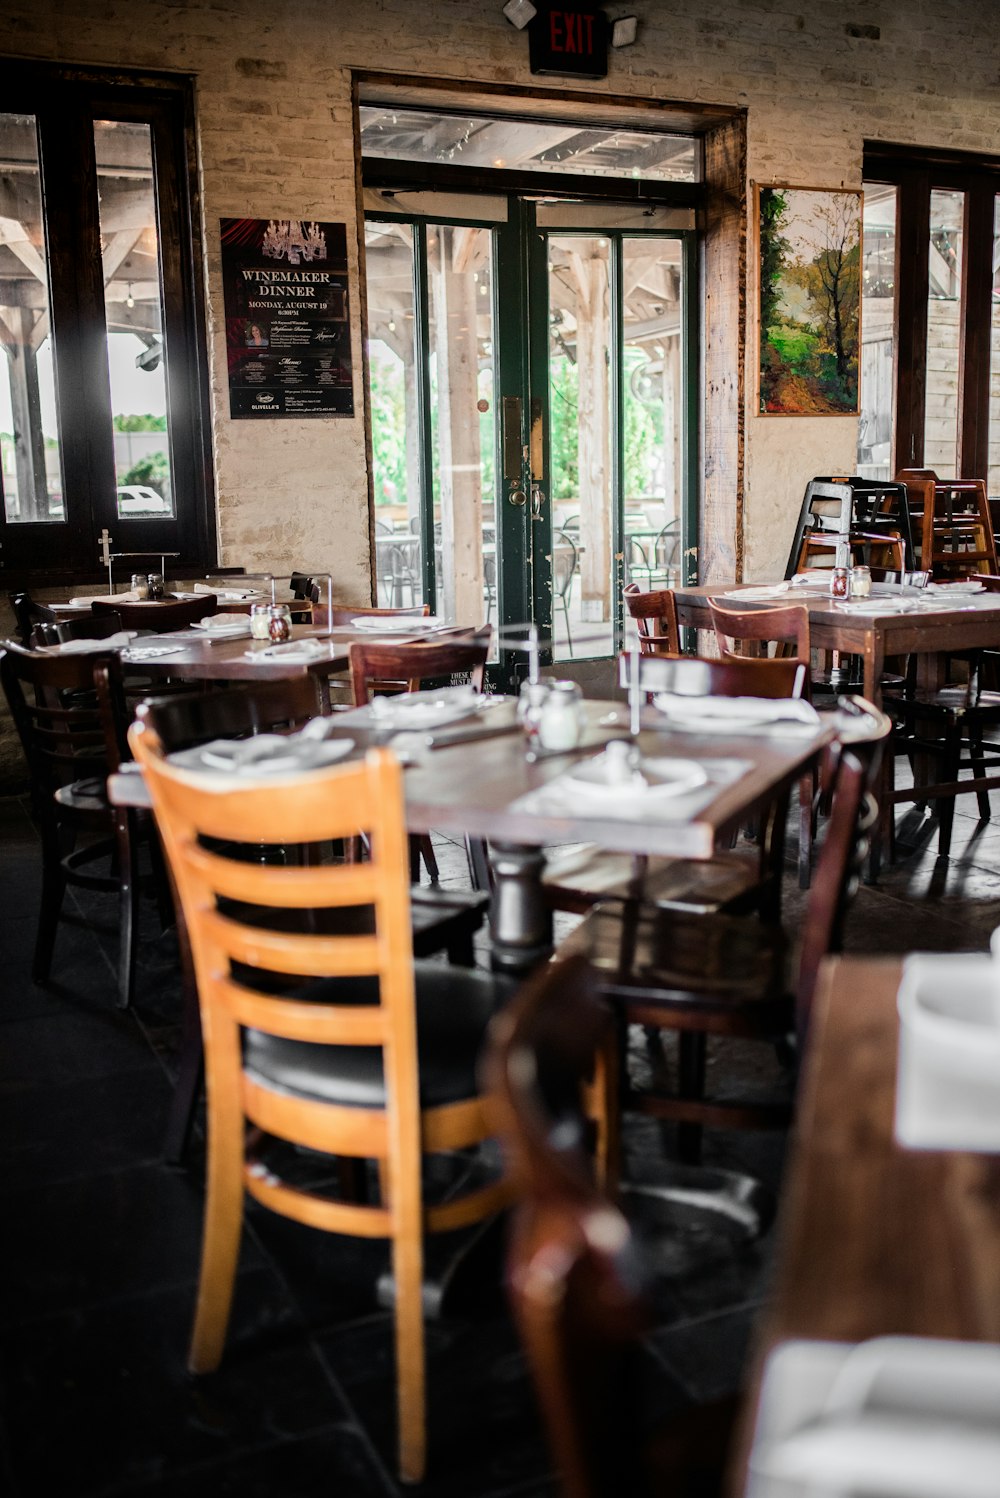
[(527, 145), (29, 438), (653, 411), (993, 476), (878, 332), (580, 420), (392, 366), (134, 318), (463, 412), (943, 333)]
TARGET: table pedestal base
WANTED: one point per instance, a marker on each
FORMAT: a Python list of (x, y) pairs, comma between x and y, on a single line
[(520, 920)]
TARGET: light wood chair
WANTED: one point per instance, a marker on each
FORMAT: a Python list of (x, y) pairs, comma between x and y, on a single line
[(577, 1278), (655, 615), (365, 1054)]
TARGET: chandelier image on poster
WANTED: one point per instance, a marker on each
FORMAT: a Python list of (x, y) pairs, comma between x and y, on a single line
[(288, 333)]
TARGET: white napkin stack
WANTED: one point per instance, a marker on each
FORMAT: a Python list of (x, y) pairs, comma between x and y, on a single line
[(87, 599), (733, 713)]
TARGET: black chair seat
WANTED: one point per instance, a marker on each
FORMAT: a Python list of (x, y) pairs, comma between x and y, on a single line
[(454, 1006), (439, 917)]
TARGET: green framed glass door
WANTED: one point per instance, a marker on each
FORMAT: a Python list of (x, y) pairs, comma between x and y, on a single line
[(533, 378)]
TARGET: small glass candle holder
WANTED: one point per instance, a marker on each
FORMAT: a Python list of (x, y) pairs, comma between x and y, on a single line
[(279, 623)]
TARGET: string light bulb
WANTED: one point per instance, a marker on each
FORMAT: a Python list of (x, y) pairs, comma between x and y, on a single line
[(130, 299)]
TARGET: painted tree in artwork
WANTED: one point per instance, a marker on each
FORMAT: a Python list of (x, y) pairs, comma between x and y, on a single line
[(773, 251), (832, 281)]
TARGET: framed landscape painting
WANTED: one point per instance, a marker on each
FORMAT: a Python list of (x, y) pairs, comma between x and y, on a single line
[(810, 300)]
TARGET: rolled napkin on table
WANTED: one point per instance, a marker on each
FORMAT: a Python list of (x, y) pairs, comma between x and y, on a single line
[(86, 599), (85, 647), (229, 595), (295, 650)]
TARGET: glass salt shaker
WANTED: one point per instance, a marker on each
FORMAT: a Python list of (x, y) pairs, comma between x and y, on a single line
[(561, 721), (861, 582), (140, 586), (260, 620)]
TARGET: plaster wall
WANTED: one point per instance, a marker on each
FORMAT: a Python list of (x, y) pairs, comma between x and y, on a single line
[(275, 138)]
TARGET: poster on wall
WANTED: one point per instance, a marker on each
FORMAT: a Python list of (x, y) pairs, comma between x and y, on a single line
[(810, 300), (288, 334)]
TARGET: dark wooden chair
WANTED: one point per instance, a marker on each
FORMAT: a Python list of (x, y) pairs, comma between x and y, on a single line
[(752, 632), (63, 735), (723, 976), (327, 1060), (378, 665), (938, 721), (160, 617), (79, 627), (655, 615), (575, 1274), (734, 880), (956, 528), (27, 613), (443, 920)]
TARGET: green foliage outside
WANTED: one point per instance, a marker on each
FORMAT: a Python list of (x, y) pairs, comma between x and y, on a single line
[(644, 434), (153, 470), (137, 423)]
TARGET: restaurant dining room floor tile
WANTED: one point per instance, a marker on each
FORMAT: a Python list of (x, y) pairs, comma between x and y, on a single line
[(101, 1241)]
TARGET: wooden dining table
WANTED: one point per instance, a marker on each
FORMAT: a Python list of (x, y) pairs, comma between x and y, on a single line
[(467, 779), (970, 621), (873, 1239)]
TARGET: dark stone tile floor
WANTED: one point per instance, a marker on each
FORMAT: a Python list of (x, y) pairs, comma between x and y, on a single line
[(102, 1242)]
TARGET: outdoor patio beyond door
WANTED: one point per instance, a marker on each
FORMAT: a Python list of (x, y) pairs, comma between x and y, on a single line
[(530, 418)]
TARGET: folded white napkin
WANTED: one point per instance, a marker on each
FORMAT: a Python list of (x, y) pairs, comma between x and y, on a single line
[(561, 797), (305, 650), (425, 709), (230, 595), (87, 647), (89, 598), (226, 623), (737, 710)]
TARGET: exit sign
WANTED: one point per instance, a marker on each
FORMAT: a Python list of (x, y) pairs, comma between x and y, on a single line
[(569, 40)]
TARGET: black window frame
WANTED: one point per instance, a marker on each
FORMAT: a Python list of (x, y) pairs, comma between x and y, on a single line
[(916, 173), (65, 103)]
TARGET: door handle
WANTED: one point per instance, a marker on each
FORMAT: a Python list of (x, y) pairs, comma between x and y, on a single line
[(537, 500), (517, 497)]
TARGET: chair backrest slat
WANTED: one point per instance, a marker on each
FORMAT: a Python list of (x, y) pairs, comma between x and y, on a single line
[(374, 662), (695, 676), (655, 614), (759, 627), (162, 617)]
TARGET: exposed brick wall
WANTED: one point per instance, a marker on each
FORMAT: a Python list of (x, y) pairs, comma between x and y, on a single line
[(275, 138)]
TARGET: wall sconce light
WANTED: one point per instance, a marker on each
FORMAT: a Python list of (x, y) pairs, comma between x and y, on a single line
[(623, 32), (520, 12)]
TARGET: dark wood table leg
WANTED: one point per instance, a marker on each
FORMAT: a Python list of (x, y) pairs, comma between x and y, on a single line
[(520, 920)]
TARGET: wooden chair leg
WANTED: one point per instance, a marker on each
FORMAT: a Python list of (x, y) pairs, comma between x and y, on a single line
[(691, 1052), (978, 762), (191, 1071), (407, 1270), (949, 772), (53, 891), (429, 857), (223, 1205), (479, 862), (126, 839), (806, 814)]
